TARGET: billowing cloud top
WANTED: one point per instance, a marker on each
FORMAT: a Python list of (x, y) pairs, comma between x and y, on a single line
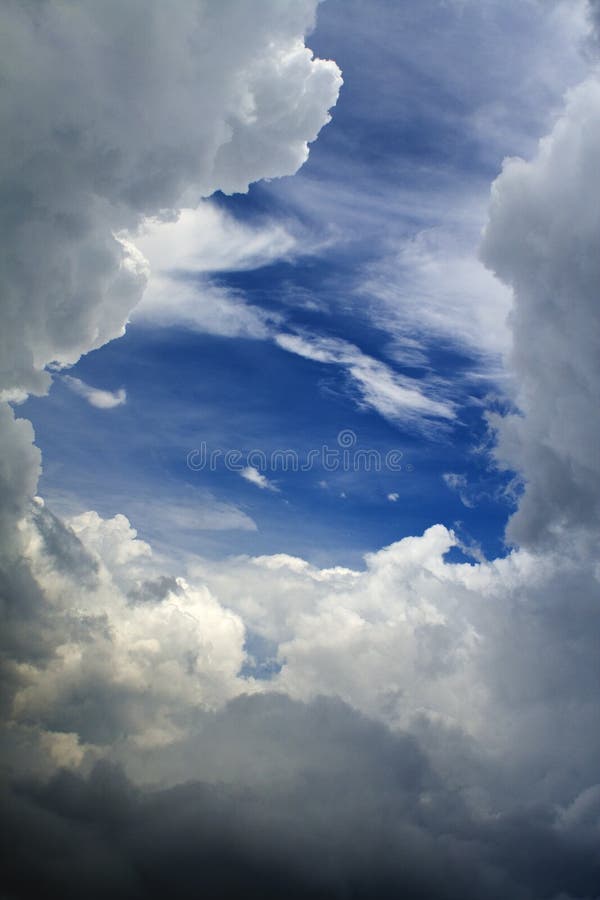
[(115, 111), (542, 239)]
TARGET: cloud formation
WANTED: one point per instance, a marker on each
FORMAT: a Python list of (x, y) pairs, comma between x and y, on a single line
[(325, 804), (132, 111), (95, 396), (434, 285), (183, 257), (541, 238), (430, 728), (251, 474), (396, 397)]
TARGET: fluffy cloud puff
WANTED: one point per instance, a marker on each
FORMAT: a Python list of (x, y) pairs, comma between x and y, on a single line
[(131, 651), (499, 651)]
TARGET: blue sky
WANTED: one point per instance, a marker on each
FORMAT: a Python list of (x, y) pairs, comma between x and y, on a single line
[(399, 177)]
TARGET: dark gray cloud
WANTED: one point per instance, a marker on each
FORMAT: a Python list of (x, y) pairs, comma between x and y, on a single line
[(594, 8), (154, 590), (350, 811), (62, 546)]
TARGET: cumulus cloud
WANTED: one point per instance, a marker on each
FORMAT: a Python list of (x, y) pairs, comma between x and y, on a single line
[(132, 112), (485, 649), (541, 239), (133, 651), (20, 466), (498, 653), (479, 676), (95, 396)]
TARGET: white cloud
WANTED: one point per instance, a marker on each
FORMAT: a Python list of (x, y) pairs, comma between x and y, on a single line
[(434, 286), (206, 240), (393, 498), (202, 515), (113, 541), (20, 468), (95, 396), (189, 100), (182, 255), (416, 639), (147, 646), (199, 305), (251, 474), (395, 397)]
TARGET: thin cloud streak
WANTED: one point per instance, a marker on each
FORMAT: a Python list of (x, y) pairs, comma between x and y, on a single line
[(95, 396)]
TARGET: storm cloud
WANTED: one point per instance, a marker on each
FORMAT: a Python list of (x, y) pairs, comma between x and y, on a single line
[(325, 804)]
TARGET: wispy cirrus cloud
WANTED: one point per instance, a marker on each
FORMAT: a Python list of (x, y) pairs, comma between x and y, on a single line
[(396, 397), (433, 287), (458, 482), (207, 239), (185, 253)]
